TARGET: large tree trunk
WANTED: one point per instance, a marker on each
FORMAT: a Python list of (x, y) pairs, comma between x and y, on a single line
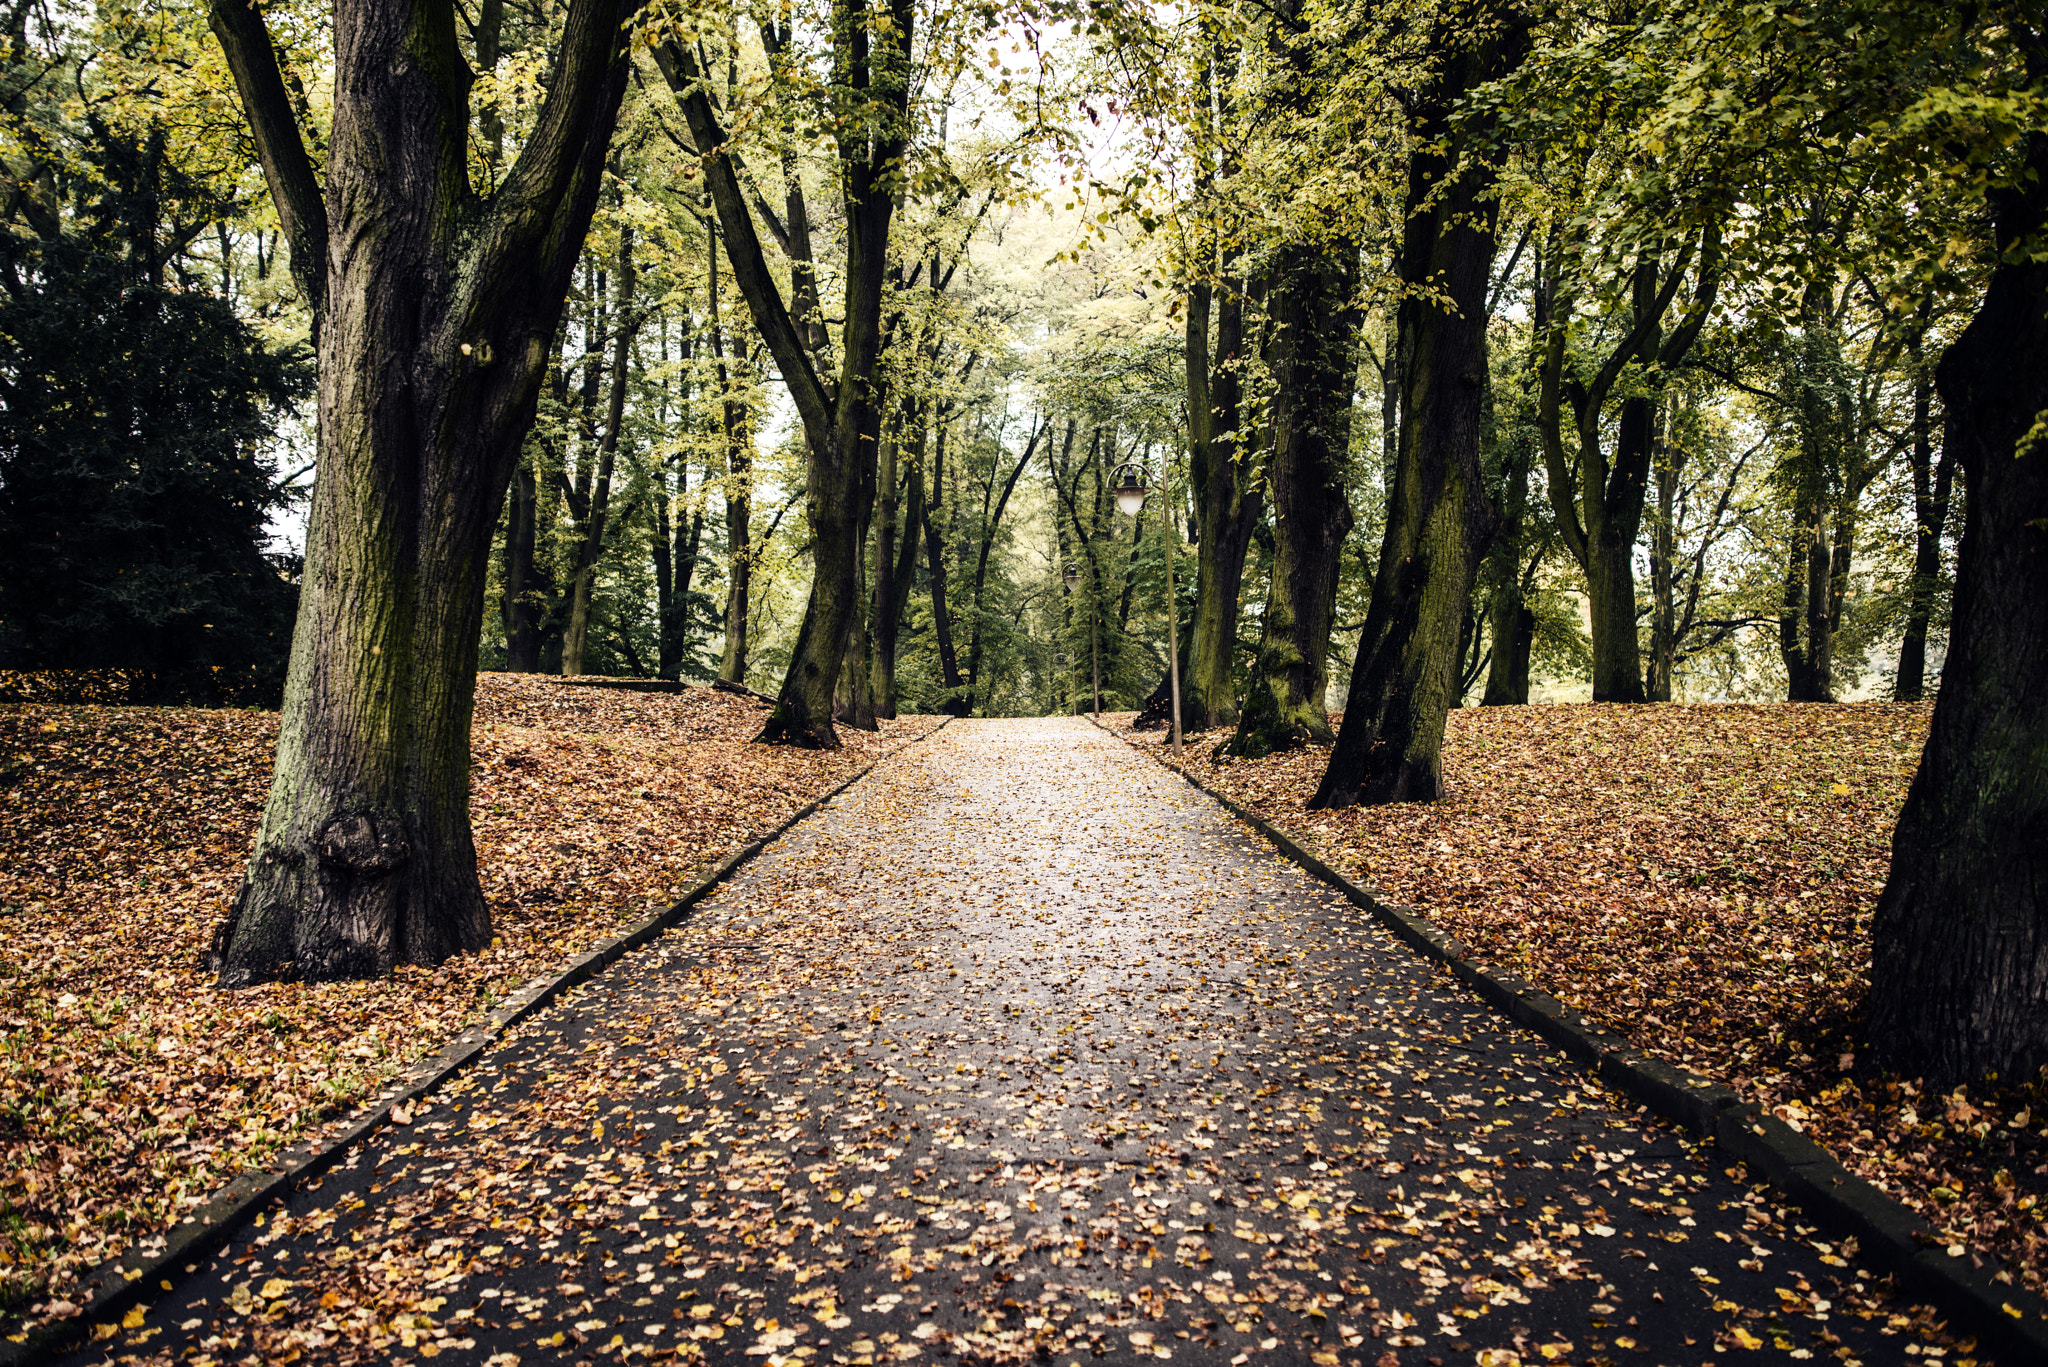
[(1314, 362), (1231, 504), (438, 310), (1438, 517), (1932, 483), (1959, 978)]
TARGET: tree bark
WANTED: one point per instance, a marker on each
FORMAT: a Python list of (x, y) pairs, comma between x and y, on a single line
[(439, 307), (1438, 515), (1959, 977), (935, 564), (1314, 362), (595, 512), (1933, 478), (1231, 502), (870, 68), (1509, 621), (1598, 501), (889, 604), (739, 492), (525, 584)]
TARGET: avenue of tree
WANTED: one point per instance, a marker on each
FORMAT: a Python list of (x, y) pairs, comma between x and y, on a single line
[(1477, 352)]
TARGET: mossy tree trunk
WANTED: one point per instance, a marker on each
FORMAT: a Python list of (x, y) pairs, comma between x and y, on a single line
[(1959, 976), (1313, 357), (437, 308), (1439, 518), (1230, 499)]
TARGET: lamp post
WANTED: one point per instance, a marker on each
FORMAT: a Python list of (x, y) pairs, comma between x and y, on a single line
[(1073, 578), (1127, 483)]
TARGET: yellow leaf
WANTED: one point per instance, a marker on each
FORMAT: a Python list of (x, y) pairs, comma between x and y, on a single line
[(1747, 1339), (133, 1319)]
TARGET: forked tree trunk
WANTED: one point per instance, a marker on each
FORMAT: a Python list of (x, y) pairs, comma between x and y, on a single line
[(871, 65), (438, 311), (1438, 518), (1314, 361), (1959, 976)]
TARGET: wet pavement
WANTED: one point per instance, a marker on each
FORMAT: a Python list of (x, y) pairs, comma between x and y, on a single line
[(1024, 1051)]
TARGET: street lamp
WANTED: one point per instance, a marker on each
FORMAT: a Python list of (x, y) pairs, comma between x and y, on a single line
[(1073, 577), (1127, 482)]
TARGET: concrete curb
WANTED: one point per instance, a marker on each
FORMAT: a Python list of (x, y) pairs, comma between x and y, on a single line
[(154, 1265), (2011, 1320)]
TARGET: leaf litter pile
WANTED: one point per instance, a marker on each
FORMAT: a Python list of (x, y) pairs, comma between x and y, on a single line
[(1022, 1052), (131, 1089), (1700, 880)]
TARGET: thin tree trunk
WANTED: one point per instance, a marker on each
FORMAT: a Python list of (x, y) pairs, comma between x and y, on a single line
[(1795, 607), (981, 558), (1506, 609), (522, 609), (436, 311), (1959, 976), (589, 546), (935, 564), (739, 497), (1932, 482), (1314, 362), (1663, 578), (1438, 517), (889, 607)]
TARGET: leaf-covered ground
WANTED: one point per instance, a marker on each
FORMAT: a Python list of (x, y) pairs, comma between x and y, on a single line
[(1023, 1052), (1699, 879), (131, 1089)]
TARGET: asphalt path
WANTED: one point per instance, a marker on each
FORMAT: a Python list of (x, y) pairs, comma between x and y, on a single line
[(1022, 1050)]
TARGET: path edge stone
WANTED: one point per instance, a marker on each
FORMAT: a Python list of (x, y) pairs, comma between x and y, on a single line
[(122, 1282), (1890, 1236)]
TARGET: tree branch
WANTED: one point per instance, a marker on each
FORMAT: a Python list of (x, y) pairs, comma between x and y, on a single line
[(280, 148)]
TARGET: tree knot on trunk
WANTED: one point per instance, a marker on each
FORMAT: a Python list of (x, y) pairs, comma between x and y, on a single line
[(365, 844)]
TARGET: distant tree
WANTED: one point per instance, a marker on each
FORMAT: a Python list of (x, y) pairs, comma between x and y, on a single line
[(134, 426)]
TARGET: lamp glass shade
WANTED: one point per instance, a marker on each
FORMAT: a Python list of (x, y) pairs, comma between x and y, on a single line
[(1130, 501), (1073, 577)]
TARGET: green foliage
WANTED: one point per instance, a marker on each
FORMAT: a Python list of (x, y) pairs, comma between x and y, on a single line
[(136, 423)]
